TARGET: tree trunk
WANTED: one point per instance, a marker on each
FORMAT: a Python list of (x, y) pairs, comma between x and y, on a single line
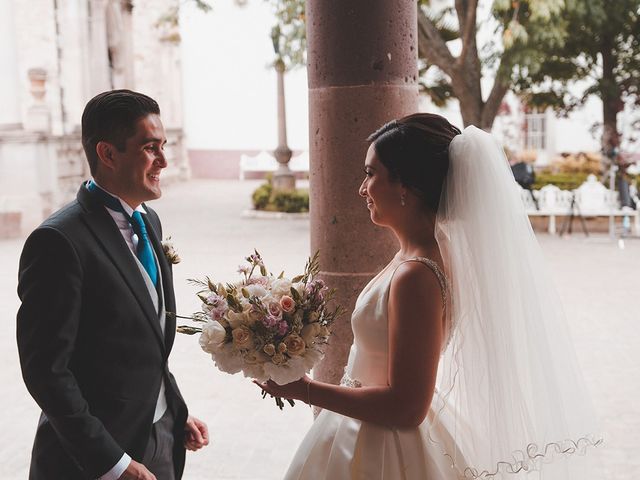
[(465, 71), (611, 98)]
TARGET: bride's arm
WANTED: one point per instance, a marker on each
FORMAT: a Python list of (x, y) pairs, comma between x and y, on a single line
[(415, 336)]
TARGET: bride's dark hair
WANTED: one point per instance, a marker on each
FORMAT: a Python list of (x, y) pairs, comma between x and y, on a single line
[(415, 150)]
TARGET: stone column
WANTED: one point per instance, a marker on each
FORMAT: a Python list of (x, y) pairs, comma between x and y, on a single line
[(10, 114), (283, 178), (362, 68), (127, 21), (99, 47)]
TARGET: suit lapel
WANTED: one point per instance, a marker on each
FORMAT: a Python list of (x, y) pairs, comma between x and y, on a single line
[(109, 237), (167, 281)]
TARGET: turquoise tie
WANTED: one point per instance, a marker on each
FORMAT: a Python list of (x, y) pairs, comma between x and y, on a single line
[(144, 252)]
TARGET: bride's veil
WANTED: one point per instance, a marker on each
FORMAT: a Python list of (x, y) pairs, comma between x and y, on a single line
[(509, 374)]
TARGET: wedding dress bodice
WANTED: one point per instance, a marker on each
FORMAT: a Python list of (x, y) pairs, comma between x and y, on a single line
[(368, 358)]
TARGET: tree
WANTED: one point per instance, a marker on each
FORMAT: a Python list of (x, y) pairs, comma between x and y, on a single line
[(603, 48), (441, 29), (536, 48)]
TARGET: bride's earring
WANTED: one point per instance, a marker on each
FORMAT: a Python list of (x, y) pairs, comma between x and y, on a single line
[(402, 202)]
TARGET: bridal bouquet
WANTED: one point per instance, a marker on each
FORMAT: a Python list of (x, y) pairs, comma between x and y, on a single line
[(264, 326)]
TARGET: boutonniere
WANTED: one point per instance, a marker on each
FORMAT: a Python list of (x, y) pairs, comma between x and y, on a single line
[(170, 251)]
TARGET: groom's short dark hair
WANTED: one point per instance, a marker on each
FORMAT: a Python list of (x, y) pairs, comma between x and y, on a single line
[(111, 117)]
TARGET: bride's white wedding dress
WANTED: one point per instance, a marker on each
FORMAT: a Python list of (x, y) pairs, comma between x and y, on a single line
[(511, 403), (338, 447)]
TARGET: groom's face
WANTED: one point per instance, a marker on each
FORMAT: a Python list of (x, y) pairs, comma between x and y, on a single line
[(136, 170)]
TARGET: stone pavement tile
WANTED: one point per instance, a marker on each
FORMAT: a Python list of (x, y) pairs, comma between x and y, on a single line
[(251, 438)]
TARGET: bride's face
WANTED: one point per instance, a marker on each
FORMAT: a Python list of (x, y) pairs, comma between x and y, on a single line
[(383, 196)]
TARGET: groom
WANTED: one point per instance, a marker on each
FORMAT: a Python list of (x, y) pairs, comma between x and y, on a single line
[(93, 332)]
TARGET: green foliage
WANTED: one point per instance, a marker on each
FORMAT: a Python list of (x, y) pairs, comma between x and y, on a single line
[(266, 198), (262, 195), (602, 46), (564, 181), (288, 35), (291, 202)]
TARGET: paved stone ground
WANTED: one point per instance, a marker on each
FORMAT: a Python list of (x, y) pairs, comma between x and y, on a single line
[(252, 440)]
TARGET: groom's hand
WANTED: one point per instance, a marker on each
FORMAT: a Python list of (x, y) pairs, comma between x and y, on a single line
[(196, 434), (137, 471)]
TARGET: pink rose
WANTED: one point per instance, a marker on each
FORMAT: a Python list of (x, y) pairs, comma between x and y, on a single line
[(275, 310), (287, 304)]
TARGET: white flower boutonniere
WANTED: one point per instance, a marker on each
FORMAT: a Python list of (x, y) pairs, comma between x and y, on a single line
[(170, 251)]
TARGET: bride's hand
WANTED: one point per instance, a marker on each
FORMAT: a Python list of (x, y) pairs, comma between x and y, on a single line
[(294, 391)]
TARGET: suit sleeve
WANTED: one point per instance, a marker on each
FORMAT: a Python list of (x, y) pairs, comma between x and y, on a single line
[(50, 289)]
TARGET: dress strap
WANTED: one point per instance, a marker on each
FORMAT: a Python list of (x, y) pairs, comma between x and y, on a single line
[(442, 278)]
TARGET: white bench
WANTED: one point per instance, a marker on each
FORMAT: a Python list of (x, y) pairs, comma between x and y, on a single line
[(596, 200), (265, 162), (592, 199), (552, 202)]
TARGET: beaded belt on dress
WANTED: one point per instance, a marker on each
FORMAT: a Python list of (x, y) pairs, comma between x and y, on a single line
[(347, 381)]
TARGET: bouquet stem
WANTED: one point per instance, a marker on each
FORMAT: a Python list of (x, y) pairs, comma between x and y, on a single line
[(279, 401)]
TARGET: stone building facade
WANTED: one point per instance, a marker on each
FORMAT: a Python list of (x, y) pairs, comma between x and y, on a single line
[(55, 56)]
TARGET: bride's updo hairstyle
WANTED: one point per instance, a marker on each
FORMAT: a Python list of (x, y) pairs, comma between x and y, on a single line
[(415, 151)]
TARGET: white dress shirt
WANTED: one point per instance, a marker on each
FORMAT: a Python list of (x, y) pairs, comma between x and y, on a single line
[(131, 239)]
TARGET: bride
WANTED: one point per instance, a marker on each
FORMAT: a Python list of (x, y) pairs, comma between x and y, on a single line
[(462, 365)]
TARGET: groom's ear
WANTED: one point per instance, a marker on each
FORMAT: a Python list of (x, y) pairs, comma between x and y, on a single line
[(105, 153)]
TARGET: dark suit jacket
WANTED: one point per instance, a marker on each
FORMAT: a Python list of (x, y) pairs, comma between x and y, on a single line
[(91, 348)]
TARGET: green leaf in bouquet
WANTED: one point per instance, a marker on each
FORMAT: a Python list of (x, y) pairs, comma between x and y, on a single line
[(281, 276), (256, 303), (233, 303), (211, 286), (263, 271), (188, 330), (200, 317), (314, 264), (203, 297), (199, 283), (245, 293), (295, 295), (297, 279)]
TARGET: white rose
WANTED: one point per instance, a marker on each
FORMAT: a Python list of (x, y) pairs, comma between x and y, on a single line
[(255, 370), (256, 290), (310, 332), (242, 338), (311, 358), (212, 337), (295, 344), (252, 357), (228, 360), (288, 372), (280, 287)]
